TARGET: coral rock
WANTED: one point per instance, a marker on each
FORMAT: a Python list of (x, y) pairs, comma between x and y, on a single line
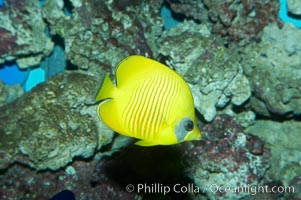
[(82, 178), (105, 32), (226, 157), (284, 141), (273, 68), (9, 93), (22, 33), (240, 21), (49, 126)]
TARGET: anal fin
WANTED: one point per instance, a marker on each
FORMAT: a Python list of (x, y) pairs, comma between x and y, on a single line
[(145, 143)]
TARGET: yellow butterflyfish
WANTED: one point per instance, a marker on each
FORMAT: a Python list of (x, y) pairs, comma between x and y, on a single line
[(150, 102)]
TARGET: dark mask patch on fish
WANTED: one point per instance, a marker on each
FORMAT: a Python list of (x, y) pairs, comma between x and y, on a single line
[(183, 128)]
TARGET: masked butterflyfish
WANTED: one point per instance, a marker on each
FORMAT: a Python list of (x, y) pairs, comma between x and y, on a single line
[(150, 102)]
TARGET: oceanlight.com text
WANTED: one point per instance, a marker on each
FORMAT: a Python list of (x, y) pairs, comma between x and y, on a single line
[(158, 188)]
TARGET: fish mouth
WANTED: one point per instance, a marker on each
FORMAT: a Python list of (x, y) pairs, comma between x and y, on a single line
[(193, 135)]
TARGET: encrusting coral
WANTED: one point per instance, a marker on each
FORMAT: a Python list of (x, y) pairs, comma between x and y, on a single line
[(239, 21), (23, 33), (9, 93), (273, 68), (50, 125), (103, 33)]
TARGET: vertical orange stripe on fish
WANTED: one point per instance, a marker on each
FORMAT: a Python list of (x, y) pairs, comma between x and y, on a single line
[(153, 122), (150, 105)]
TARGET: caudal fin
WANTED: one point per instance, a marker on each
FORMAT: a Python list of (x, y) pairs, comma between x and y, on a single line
[(106, 89)]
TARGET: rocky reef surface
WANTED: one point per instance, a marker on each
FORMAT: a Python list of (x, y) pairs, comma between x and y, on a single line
[(81, 177), (282, 139), (9, 93), (241, 21), (103, 33), (273, 67), (49, 126), (23, 33), (227, 157), (243, 67)]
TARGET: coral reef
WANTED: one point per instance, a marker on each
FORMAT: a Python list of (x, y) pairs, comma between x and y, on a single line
[(49, 126), (273, 68), (283, 140), (22, 33), (9, 93), (103, 33), (212, 69), (239, 20), (227, 157)]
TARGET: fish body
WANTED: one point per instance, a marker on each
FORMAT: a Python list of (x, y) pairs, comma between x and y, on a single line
[(150, 102)]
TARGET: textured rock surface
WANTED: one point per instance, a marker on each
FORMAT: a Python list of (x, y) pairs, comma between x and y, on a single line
[(49, 126), (213, 70), (240, 21), (227, 157), (273, 67), (105, 32), (82, 178), (9, 93), (294, 7), (284, 141), (22, 33)]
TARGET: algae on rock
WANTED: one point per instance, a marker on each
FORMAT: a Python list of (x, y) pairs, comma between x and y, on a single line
[(9, 93), (103, 33), (50, 125), (226, 157), (237, 21), (23, 36), (273, 68), (283, 138)]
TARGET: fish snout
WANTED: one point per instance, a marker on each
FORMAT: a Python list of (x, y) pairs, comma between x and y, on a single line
[(195, 134)]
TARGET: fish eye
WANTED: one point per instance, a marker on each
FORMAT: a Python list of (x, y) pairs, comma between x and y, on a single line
[(189, 125)]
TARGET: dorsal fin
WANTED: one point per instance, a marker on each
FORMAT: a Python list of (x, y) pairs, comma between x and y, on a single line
[(134, 67)]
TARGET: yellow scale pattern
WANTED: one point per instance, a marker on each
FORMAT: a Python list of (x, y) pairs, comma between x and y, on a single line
[(150, 105)]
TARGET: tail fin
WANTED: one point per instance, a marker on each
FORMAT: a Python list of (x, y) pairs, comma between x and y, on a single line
[(106, 89)]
